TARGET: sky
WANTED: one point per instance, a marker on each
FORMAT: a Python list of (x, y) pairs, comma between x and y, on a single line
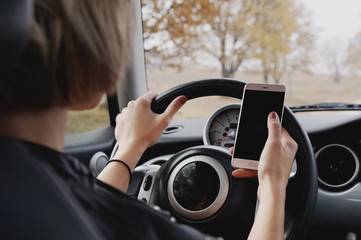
[(335, 21)]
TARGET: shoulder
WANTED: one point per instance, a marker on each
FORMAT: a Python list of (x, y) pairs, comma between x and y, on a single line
[(33, 193)]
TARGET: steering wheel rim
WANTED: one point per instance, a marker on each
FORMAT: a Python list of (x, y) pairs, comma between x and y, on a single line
[(302, 189)]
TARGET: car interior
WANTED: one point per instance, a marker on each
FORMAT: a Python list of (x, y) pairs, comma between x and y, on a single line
[(323, 194)]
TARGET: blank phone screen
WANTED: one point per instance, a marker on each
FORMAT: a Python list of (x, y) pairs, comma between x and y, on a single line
[(252, 130)]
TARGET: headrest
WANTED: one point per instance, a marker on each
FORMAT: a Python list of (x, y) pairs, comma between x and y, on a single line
[(15, 19)]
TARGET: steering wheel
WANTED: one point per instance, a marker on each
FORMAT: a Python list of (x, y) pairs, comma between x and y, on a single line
[(196, 185)]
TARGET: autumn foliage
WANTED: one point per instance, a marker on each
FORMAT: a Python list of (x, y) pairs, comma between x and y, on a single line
[(274, 33)]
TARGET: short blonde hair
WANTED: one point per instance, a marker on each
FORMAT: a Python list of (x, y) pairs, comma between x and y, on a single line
[(76, 48)]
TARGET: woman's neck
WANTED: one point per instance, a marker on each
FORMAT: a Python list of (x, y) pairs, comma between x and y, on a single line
[(46, 127)]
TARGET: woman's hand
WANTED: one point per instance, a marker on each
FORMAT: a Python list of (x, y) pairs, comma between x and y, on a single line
[(276, 159), (138, 127), (273, 173)]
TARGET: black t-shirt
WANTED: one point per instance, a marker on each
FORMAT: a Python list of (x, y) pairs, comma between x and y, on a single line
[(116, 215)]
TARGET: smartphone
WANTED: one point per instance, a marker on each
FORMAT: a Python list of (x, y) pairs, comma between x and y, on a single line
[(259, 100)]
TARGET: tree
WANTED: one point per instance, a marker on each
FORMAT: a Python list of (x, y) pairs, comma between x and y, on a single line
[(282, 36), (168, 27), (335, 59), (229, 31), (354, 55), (231, 40), (186, 28), (272, 31), (301, 42)]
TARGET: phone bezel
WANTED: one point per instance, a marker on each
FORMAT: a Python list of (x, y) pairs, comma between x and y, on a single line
[(251, 163)]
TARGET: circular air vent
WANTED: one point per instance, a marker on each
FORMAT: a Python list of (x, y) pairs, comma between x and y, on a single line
[(338, 166), (198, 187)]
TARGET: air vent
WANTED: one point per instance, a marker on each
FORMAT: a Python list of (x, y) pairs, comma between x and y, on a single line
[(338, 166), (172, 129)]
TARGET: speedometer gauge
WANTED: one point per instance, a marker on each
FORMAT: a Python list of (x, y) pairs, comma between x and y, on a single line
[(221, 127)]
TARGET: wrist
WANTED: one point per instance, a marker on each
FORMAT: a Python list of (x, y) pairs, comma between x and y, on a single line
[(271, 192), (130, 155)]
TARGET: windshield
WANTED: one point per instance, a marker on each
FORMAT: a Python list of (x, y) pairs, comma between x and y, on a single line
[(313, 47)]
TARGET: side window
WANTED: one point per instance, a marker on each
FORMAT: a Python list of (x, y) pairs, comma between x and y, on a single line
[(88, 120)]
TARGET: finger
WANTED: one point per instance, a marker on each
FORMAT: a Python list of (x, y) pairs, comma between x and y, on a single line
[(149, 96), (285, 134), (131, 103), (231, 150), (274, 126), (244, 173), (124, 110), (117, 117), (288, 141), (174, 106)]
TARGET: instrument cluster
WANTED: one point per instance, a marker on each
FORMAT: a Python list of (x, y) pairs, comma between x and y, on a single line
[(221, 128)]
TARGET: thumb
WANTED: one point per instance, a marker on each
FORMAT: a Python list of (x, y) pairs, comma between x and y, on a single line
[(174, 106), (274, 126)]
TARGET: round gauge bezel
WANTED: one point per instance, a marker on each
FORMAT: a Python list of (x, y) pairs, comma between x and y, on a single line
[(206, 140), (218, 201), (355, 171)]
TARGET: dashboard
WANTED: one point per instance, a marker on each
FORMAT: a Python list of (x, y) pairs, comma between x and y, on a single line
[(221, 127), (336, 141)]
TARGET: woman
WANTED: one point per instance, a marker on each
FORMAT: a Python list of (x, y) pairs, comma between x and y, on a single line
[(77, 52)]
